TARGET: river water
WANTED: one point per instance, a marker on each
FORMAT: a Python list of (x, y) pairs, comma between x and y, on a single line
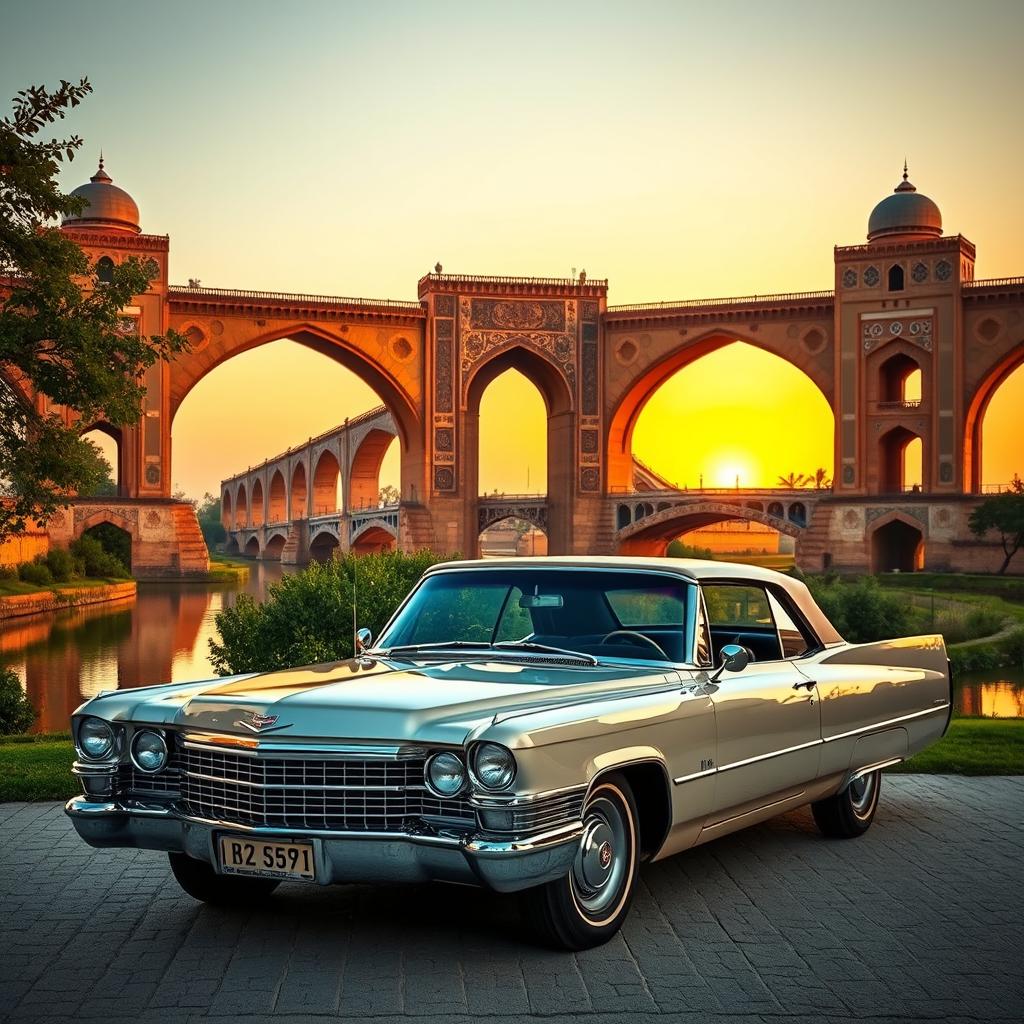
[(162, 634)]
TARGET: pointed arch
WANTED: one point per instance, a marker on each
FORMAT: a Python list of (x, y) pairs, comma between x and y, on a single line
[(256, 513), (977, 406), (326, 483), (298, 494), (277, 498), (241, 506), (364, 471)]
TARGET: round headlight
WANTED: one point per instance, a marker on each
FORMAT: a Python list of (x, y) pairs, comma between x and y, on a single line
[(149, 751), (494, 766), (95, 737), (445, 774)]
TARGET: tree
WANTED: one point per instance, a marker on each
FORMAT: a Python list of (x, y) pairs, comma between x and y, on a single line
[(388, 495), (792, 481), (820, 479), (61, 332), (208, 513), (1003, 513), (107, 486)]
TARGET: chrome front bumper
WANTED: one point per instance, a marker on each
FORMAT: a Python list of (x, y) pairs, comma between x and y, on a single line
[(504, 865)]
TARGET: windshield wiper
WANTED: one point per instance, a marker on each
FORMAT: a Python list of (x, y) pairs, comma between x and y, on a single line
[(448, 645), (529, 645)]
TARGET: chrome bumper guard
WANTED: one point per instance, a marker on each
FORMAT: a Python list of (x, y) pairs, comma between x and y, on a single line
[(504, 865)]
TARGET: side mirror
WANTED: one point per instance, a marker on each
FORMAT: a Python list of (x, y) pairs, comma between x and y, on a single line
[(364, 639), (731, 658)]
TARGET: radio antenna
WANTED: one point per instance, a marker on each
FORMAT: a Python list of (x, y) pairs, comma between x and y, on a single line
[(355, 630)]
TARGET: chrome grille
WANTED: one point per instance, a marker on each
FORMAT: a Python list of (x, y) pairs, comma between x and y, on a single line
[(371, 795)]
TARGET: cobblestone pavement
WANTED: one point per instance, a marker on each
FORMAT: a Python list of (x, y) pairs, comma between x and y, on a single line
[(921, 919)]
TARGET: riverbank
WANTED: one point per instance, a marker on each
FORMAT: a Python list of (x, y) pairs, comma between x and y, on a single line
[(39, 767), (19, 598)]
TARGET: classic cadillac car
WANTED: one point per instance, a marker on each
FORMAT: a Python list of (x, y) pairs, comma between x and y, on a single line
[(540, 725)]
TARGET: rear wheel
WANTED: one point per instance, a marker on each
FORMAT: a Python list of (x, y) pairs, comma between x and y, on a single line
[(849, 814), (200, 881), (588, 906)]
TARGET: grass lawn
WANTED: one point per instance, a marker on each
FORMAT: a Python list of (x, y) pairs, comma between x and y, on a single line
[(9, 587), (228, 568), (973, 746), (39, 767)]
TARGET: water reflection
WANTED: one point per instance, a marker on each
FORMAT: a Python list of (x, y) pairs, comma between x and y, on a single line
[(161, 634)]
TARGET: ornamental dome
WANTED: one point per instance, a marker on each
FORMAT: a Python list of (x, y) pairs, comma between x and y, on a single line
[(906, 213), (107, 206)]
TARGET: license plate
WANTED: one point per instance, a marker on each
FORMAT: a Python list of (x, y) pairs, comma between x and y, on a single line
[(240, 856)]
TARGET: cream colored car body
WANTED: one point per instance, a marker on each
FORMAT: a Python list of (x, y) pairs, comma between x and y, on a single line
[(708, 752)]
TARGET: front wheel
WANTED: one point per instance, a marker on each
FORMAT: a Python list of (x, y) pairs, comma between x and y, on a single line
[(588, 906), (201, 882), (849, 814)]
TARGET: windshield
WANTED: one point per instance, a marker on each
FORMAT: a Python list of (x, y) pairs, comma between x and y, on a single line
[(596, 613)]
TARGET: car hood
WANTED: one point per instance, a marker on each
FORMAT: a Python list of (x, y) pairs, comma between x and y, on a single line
[(374, 700)]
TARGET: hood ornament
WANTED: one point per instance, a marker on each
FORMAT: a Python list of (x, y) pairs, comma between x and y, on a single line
[(258, 722)]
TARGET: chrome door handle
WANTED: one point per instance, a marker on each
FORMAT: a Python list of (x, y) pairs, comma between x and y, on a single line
[(809, 684)]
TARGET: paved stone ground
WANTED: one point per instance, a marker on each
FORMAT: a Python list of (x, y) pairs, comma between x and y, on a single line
[(921, 919)]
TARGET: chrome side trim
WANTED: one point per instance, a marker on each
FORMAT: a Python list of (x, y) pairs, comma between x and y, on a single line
[(501, 803), (887, 722), (695, 775), (564, 834), (859, 773), (774, 753)]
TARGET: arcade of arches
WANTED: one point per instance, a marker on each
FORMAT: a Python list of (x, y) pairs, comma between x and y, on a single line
[(907, 351)]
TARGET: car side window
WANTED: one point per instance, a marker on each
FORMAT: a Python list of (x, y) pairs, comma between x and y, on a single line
[(740, 613), (794, 643)]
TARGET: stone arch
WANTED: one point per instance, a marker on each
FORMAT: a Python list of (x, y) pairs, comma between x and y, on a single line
[(537, 519), (227, 513), (550, 381), (298, 493), (256, 513), (651, 535), (896, 542), (252, 547), (364, 469), (625, 407), (323, 546), (326, 481), (273, 546), (125, 521), (977, 405), (231, 545), (277, 498), (241, 506), (894, 370), (372, 536)]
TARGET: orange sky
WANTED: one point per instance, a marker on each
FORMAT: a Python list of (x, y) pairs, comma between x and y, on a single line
[(680, 150)]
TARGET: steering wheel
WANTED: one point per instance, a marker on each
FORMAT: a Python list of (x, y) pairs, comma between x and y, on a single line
[(633, 637)]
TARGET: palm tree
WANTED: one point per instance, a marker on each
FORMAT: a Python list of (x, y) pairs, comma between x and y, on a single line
[(821, 480), (793, 481)]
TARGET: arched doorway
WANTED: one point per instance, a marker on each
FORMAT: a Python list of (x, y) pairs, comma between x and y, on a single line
[(897, 546), (297, 509), (901, 461), (327, 496), (277, 499), (323, 547), (114, 539), (107, 439), (256, 517), (992, 425), (899, 380), (556, 428), (771, 419)]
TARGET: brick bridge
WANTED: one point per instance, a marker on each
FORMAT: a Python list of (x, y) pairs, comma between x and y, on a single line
[(905, 304)]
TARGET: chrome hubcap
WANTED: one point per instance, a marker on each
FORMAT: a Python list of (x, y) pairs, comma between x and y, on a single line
[(599, 870), (862, 793)]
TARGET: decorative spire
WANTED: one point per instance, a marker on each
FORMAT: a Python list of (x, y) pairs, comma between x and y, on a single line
[(904, 185), (101, 174), (904, 166)]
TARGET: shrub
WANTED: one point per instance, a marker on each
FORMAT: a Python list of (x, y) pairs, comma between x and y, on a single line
[(977, 623), (677, 549), (307, 617), (92, 559), (8, 572), (16, 711), (61, 564), (37, 573), (862, 611)]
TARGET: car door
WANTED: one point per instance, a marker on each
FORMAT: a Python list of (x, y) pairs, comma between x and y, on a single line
[(767, 716)]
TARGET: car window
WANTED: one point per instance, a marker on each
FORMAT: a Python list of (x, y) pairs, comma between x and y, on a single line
[(651, 606), (794, 643), (737, 604), (515, 622)]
